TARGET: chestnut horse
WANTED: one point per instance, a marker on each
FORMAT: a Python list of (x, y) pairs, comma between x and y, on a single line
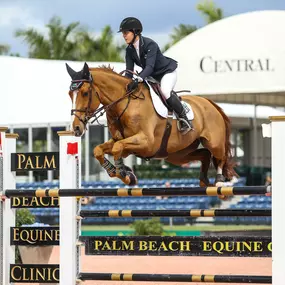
[(137, 129)]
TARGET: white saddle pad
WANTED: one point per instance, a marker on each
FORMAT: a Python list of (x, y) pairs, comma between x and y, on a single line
[(162, 110)]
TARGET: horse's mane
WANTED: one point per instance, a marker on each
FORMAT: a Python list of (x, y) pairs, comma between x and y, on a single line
[(105, 68), (108, 69)]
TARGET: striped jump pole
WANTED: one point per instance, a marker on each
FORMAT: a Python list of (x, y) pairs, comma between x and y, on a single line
[(138, 192), (252, 279), (176, 213)]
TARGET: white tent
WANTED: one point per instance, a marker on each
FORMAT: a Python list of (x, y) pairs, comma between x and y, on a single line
[(240, 59), (35, 92)]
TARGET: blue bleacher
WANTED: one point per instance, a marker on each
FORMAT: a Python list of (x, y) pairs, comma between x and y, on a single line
[(249, 202), (152, 203)]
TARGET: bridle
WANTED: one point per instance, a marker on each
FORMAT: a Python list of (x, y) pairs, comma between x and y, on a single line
[(76, 84)]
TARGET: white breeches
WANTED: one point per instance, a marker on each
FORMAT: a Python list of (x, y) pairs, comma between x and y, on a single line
[(167, 83)]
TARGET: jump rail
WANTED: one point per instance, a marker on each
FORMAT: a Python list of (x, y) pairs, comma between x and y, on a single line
[(176, 213), (113, 192), (177, 278)]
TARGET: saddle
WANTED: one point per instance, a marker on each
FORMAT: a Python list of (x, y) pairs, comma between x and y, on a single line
[(155, 85)]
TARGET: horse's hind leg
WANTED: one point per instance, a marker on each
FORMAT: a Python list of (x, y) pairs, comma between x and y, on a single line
[(219, 164), (205, 164), (203, 155), (217, 148), (219, 160)]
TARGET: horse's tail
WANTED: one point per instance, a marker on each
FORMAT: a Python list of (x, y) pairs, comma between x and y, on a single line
[(228, 169)]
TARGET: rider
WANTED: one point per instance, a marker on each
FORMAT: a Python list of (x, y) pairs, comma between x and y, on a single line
[(146, 53)]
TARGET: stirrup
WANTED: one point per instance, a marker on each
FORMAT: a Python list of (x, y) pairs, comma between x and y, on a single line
[(184, 130)]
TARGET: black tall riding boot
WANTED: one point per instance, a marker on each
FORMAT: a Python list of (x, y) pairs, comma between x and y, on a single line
[(175, 103)]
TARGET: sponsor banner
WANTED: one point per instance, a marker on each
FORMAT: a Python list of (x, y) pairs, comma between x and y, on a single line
[(34, 273), (184, 246), (35, 161), (34, 236)]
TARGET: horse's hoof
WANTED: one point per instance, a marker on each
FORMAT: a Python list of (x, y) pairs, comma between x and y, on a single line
[(220, 179), (223, 197), (130, 179), (203, 184), (126, 180), (127, 168), (133, 179)]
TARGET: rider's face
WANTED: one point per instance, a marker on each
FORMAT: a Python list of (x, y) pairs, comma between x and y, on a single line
[(128, 36)]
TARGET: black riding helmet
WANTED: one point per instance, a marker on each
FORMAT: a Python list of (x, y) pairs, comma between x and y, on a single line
[(131, 24)]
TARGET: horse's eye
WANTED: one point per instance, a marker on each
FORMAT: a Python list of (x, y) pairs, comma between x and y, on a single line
[(85, 94)]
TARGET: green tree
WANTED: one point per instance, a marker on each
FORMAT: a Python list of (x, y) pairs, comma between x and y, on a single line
[(71, 42), (99, 49), (57, 45), (179, 33), (4, 49), (209, 11)]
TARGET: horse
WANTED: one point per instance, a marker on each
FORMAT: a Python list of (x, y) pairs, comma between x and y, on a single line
[(137, 129)]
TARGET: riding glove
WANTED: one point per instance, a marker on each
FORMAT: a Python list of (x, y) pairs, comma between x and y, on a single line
[(133, 85)]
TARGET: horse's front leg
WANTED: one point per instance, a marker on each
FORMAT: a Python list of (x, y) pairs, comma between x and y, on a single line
[(99, 152), (137, 143)]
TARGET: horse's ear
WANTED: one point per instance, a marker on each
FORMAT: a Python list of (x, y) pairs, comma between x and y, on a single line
[(70, 71), (86, 69)]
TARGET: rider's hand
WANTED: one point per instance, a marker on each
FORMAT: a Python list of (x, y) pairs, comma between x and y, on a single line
[(133, 85)]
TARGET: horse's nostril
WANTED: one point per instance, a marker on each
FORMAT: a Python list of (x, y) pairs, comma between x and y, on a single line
[(77, 128)]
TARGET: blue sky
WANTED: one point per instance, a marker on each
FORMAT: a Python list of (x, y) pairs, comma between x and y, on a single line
[(159, 17)]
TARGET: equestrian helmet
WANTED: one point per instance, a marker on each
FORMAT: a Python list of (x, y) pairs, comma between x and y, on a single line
[(131, 24)]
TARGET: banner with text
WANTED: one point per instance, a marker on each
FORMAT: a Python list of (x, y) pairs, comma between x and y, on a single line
[(167, 245)]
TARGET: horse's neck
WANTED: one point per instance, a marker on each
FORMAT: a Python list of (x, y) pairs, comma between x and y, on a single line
[(111, 86)]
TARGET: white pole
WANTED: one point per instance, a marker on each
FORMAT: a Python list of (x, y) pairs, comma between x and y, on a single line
[(87, 155), (70, 178), (30, 148), (49, 148), (8, 215), (2, 149), (278, 198)]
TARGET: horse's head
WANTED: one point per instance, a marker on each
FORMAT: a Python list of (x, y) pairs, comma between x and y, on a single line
[(85, 99)]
